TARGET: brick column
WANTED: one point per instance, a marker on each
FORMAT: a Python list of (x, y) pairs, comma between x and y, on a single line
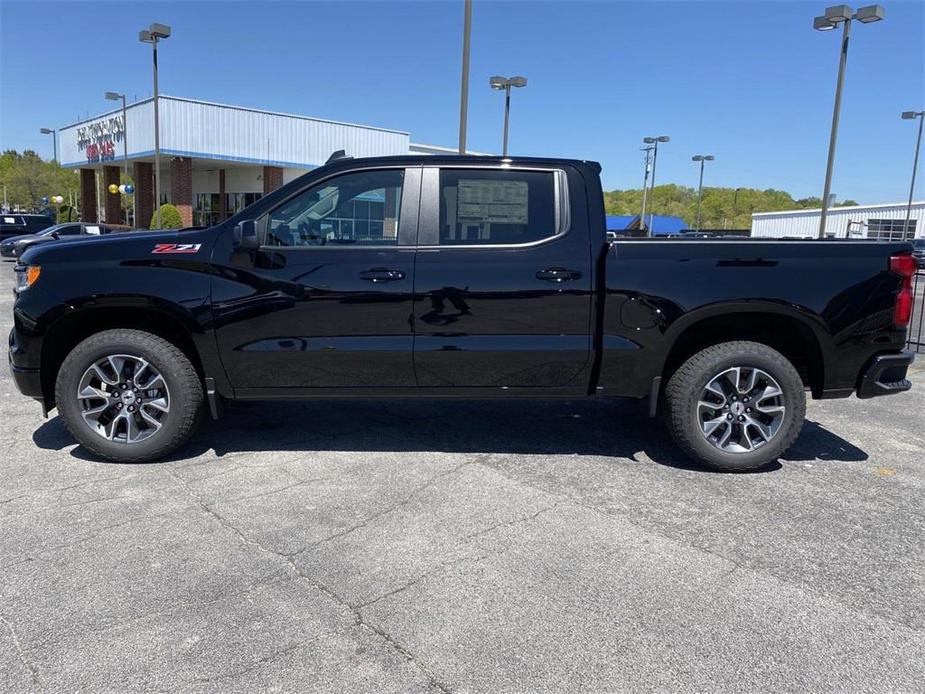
[(181, 188), (272, 178), (88, 211), (143, 175), (113, 201), (390, 214), (222, 207)]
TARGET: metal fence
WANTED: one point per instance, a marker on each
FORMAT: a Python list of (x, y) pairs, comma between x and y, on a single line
[(916, 331)]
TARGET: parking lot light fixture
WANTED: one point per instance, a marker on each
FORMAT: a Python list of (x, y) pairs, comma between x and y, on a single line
[(152, 35), (912, 115), (835, 15), (499, 83), (703, 159), (654, 141), (54, 139)]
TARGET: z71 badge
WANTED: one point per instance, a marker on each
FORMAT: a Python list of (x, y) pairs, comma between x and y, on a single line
[(177, 247)]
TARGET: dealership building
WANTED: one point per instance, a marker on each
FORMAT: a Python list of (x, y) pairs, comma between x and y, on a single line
[(215, 159), (883, 222)]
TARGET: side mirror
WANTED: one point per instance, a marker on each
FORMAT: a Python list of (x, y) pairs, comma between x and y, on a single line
[(245, 234), (54, 235)]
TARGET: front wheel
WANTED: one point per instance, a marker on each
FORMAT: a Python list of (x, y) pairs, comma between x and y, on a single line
[(735, 406), (128, 395)]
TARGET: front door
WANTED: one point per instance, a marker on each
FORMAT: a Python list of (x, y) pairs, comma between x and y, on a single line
[(326, 300), (502, 281)]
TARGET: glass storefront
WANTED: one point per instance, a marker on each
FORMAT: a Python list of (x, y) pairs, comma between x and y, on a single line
[(207, 209)]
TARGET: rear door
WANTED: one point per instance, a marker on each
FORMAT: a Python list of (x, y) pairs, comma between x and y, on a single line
[(502, 280)]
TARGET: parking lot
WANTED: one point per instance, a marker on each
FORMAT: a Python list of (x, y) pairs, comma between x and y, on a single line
[(462, 547)]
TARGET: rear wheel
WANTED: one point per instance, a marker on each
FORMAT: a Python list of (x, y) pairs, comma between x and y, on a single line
[(735, 406), (128, 395)]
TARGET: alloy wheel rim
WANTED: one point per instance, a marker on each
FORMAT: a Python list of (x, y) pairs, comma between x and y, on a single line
[(123, 398), (741, 409)]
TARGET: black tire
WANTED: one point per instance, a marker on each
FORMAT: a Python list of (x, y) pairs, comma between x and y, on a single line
[(687, 384), (186, 394)]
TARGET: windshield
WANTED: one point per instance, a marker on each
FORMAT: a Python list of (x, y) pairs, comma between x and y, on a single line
[(51, 230), (919, 244)]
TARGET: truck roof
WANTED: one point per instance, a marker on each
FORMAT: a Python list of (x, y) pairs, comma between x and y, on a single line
[(465, 159)]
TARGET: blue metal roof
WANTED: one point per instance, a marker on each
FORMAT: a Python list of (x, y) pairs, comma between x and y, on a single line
[(662, 225), (618, 222)]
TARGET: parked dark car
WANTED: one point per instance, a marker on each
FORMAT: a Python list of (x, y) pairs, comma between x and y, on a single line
[(454, 277), (918, 252), (15, 224), (16, 245)]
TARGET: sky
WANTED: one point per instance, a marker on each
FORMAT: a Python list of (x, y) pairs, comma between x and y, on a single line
[(749, 82)]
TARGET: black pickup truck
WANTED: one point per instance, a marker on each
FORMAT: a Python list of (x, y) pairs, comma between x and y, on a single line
[(454, 277)]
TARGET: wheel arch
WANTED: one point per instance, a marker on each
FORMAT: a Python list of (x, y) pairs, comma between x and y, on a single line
[(797, 335), (73, 327)]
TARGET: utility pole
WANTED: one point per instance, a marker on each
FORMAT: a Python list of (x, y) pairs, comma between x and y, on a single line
[(464, 81)]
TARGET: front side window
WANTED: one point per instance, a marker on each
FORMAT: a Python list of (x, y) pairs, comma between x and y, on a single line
[(355, 209), (69, 230), (496, 207)]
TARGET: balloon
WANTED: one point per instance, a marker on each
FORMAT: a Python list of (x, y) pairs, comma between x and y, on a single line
[(113, 188), (59, 199), (45, 199), (129, 188), (122, 188)]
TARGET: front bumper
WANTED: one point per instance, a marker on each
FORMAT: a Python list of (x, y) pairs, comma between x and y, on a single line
[(27, 378), (885, 375)]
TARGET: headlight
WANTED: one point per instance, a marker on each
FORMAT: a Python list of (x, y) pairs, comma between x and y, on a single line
[(27, 276)]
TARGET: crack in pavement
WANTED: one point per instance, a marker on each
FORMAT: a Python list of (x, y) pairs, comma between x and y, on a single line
[(269, 658), (179, 606), (427, 574), (358, 618), (20, 651), (516, 521), (656, 532), (403, 502)]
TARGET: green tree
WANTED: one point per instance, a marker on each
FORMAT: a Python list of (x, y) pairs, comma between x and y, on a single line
[(170, 218)]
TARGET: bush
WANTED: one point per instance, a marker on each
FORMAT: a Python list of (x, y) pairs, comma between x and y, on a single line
[(67, 214), (170, 218)]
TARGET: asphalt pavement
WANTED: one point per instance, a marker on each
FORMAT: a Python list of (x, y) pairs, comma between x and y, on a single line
[(462, 547)]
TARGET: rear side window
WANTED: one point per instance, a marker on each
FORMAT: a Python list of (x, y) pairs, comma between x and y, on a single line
[(497, 207)]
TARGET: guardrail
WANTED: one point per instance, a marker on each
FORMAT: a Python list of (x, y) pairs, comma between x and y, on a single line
[(915, 336)]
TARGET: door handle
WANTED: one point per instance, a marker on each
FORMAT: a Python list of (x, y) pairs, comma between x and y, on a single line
[(381, 274), (558, 274)]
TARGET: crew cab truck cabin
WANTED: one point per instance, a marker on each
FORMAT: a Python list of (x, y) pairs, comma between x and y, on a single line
[(454, 277)]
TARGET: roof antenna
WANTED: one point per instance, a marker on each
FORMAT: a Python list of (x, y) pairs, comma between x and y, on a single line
[(339, 154)]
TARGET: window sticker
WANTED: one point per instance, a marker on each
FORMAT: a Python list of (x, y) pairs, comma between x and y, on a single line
[(498, 202), (9, 220), (93, 230)]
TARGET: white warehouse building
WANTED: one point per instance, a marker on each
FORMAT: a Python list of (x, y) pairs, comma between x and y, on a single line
[(882, 222)]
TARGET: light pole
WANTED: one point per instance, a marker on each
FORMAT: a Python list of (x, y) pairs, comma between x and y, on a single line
[(840, 14), (464, 81), (152, 35), (911, 115), (645, 186), (54, 138), (703, 159), (654, 142), (497, 82), (115, 96)]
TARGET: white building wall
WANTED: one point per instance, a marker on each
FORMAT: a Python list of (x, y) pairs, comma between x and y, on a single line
[(805, 223), (214, 131)]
